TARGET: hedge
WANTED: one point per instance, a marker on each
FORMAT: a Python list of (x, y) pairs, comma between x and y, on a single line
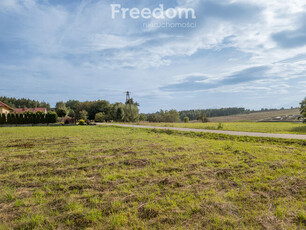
[(28, 118), (2, 119)]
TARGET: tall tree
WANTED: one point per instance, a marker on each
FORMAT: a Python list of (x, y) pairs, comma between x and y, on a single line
[(83, 115), (303, 109), (61, 109), (24, 103), (73, 104)]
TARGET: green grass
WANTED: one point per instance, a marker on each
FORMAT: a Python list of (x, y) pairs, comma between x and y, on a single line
[(122, 178), (263, 127)]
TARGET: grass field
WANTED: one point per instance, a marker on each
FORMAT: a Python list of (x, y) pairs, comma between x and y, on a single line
[(121, 178), (263, 127), (255, 116)]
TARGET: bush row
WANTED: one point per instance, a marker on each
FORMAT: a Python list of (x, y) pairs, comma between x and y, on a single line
[(28, 118)]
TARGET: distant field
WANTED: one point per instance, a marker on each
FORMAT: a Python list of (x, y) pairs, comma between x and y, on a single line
[(100, 177), (263, 127), (255, 116)]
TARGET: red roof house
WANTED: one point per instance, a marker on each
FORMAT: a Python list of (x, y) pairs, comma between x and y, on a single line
[(33, 110), (4, 108)]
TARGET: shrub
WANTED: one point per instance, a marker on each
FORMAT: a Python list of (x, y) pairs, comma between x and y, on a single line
[(61, 112), (100, 117), (71, 113), (43, 118), (9, 118), (186, 119), (35, 118), (17, 118), (303, 109), (164, 116), (14, 119), (142, 117), (83, 115), (61, 109), (120, 114), (220, 126), (68, 120), (21, 118), (82, 122), (51, 117), (2, 119), (28, 118), (39, 117), (203, 118)]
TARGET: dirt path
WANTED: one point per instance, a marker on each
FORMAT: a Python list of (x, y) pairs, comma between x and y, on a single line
[(235, 133)]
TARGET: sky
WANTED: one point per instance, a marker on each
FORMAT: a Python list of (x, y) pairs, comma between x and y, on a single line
[(238, 53)]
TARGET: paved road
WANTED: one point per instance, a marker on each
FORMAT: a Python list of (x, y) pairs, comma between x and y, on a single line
[(235, 133)]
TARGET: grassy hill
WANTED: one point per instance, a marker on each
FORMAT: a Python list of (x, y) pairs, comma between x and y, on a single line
[(256, 116)]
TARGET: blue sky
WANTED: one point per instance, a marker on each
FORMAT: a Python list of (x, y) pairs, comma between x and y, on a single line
[(249, 53)]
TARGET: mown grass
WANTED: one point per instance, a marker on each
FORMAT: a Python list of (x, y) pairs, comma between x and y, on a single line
[(256, 116), (123, 178), (263, 127)]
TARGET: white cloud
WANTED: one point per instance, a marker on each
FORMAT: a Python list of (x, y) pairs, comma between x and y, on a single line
[(9, 5), (108, 41), (83, 42)]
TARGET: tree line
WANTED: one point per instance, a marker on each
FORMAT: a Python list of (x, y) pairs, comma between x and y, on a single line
[(100, 111), (28, 118), (103, 111), (24, 103), (199, 114), (195, 114), (175, 116), (163, 116)]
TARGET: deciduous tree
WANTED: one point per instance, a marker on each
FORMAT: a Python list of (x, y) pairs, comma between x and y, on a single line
[(303, 109)]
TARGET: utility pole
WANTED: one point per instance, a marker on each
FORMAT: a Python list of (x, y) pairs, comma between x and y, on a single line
[(128, 101)]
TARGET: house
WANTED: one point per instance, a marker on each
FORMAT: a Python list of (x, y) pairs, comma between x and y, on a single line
[(4, 108), (33, 110)]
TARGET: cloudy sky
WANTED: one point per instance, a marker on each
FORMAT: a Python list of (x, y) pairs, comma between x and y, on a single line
[(249, 53)]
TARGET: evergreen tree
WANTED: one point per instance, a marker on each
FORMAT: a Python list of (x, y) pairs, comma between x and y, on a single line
[(24, 103), (303, 109), (2, 119), (19, 118), (51, 117), (119, 114), (9, 118), (16, 118), (35, 118), (28, 117), (61, 109)]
